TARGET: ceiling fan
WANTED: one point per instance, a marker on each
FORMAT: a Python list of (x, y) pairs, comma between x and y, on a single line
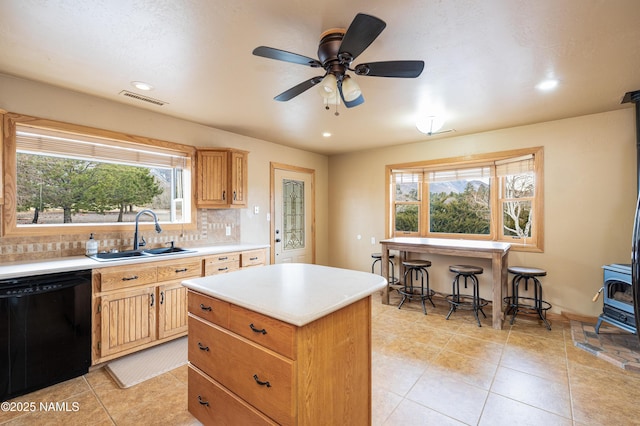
[(337, 50)]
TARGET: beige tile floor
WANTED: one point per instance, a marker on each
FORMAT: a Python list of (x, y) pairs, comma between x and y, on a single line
[(426, 371)]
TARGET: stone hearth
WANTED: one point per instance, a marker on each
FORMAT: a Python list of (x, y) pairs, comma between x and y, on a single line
[(612, 344)]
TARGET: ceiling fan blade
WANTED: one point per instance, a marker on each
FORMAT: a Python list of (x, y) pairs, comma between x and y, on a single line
[(364, 29), (298, 89), (282, 55), (402, 69), (357, 101)]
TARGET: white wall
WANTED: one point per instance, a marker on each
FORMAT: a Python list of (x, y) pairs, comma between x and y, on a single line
[(44, 101), (590, 187)]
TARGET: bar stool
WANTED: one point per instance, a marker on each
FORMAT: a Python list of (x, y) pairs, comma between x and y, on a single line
[(416, 269), (457, 300), (517, 303), (377, 257)]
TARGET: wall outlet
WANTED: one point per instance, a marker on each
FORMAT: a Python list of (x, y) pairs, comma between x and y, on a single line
[(256, 209), (228, 231)]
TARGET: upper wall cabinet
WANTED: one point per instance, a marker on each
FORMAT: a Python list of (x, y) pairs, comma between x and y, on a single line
[(221, 178)]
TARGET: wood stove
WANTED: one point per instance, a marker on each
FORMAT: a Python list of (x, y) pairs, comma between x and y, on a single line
[(618, 306)]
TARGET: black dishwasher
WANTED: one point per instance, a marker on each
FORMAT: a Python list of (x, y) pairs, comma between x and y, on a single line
[(45, 331)]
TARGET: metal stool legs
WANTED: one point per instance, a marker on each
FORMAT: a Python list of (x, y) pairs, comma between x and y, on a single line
[(408, 291), (539, 306), (456, 299), (379, 259)]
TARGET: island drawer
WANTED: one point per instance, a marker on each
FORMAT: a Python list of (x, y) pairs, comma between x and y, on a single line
[(261, 377), (208, 308), (117, 278), (264, 330), (178, 270), (212, 404)]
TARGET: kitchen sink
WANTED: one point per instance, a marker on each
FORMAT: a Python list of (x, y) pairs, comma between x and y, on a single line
[(166, 250), (132, 254)]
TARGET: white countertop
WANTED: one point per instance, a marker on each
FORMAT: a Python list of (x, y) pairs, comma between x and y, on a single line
[(76, 263), (451, 243), (291, 292)]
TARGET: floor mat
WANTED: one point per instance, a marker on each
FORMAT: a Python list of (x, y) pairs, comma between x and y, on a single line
[(144, 365)]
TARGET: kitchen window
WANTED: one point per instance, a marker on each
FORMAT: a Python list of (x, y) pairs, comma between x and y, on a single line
[(495, 196), (72, 177)]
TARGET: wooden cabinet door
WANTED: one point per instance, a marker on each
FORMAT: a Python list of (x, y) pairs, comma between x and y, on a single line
[(128, 319), (172, 310), (238, 163), (212, 178)]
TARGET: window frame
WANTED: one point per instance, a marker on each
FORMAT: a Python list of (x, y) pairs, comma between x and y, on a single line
[(535, 243), (9, 173)]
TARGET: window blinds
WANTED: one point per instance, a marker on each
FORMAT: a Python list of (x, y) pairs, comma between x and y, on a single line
[(506, 167), (62, 144), (515, 166), (459, 174)]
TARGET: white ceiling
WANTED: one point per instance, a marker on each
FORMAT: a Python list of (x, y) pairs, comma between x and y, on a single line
[(483, 60)]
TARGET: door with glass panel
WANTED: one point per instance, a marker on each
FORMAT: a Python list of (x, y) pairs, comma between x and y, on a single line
[(292, 226)]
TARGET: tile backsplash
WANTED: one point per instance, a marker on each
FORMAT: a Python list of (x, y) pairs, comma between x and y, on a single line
[(211, 229)]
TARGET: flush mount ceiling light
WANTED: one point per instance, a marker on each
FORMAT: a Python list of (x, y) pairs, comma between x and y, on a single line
[(547, 85), (430, 124), (142, 85)]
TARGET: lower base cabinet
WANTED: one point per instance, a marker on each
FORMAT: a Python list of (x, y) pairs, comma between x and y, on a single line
[(247, 365), (139, 306)]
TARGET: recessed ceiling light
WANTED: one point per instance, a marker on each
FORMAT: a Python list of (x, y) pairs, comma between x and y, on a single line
[(141, 85), (547, 85), (326, 134)]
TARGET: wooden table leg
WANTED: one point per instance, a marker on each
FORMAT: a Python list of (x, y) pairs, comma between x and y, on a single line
[(499, 272), (384, 270)]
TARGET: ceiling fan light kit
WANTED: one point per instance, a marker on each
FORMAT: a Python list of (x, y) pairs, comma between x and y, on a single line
[(338, 48)]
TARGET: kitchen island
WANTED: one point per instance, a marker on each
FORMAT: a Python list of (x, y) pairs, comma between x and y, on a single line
[(281, 344)]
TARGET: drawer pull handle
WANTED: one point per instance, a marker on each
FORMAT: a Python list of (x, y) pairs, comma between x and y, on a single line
[(202, 347), (181, 270), (253, 258), (267, 384), (205, 308), (256, 330), (223, 269), (223, 258), (202, 402), (135, 277)]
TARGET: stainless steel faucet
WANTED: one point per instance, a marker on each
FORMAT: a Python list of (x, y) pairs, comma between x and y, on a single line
[(137, 244)]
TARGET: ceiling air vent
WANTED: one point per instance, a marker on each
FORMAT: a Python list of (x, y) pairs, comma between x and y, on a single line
[(142, 98)]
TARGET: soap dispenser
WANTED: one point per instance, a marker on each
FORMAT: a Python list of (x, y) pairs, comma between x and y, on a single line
[(91, 246)]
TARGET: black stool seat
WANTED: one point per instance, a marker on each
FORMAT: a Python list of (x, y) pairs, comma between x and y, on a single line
[(416, 263), (516, 303), (527, 272), (416, 268), (457, 300), (379, 255), (466, 269)]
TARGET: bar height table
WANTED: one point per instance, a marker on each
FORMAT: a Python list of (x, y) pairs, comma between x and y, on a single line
[(496, 251)]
